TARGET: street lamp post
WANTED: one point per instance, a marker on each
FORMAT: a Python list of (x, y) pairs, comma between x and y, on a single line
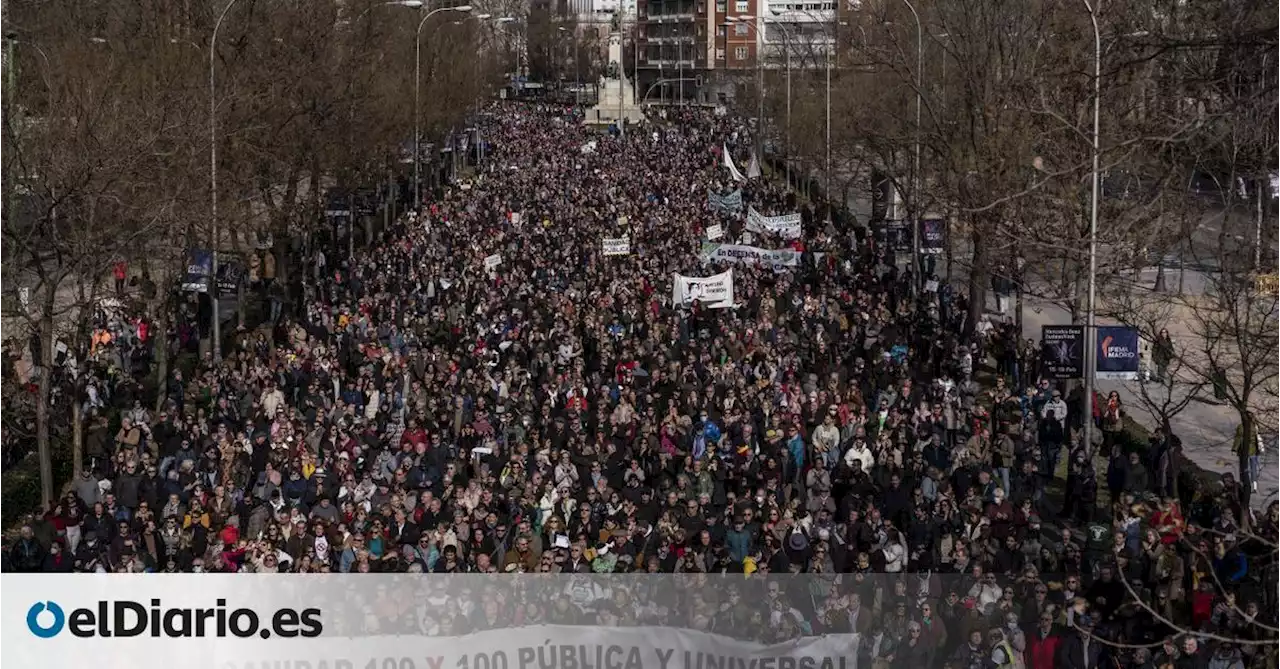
[(417, 101), (212, 286), (1090, 334), (915, 161), (787, 44), (759, 94), (750, 21)]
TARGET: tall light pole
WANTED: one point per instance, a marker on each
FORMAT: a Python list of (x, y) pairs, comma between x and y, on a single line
[(827, 185), (212, 287), (759, 93), (750, 21), (1090, 332), (414, 4), (915, 161), (787, 44), (515, 41), (417, 101)]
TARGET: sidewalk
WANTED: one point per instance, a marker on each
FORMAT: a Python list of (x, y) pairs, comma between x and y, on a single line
[(1207, 430)]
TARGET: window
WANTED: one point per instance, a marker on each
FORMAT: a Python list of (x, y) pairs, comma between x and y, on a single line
[(719, 54), (722, 6), (740, 53), (742, 6), (740, 29), (719, 31)]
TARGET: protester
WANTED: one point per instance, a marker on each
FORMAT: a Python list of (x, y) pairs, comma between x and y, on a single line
[(485, 391)]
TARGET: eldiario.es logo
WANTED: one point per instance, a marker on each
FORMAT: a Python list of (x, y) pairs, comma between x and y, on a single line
[(124, 618)]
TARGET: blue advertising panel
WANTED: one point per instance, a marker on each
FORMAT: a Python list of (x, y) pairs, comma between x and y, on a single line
[(1117, 353)]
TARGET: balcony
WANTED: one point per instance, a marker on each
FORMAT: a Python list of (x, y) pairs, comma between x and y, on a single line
[(670, 18)]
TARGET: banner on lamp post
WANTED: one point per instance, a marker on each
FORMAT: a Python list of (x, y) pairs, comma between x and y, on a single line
[(1117, 353), (1062, 351), (933, 235)]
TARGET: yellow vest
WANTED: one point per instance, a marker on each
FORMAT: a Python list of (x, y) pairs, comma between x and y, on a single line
[(1009, 656)]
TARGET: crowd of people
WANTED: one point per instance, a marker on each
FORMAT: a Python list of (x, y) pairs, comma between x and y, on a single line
[(431, 410)]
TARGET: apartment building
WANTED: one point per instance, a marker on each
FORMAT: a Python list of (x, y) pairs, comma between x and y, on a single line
[(804, 30), (685, 48)]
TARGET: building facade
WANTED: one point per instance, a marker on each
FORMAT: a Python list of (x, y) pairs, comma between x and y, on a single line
[(685, 48), (804, 30), (700, 50)]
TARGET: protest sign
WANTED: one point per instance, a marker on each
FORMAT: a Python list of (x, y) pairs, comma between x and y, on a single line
[(616, 246), (492, 261), (729, 204), (787, 226), (715, 232), (563, 646), (750, 255), (714, 292)]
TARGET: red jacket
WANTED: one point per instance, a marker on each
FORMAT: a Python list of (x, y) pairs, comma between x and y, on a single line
[(1041, 652)]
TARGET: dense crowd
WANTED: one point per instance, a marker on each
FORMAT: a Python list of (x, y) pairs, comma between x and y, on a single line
[(428, 410)]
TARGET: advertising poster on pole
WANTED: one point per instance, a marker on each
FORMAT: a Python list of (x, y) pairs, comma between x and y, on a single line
[(1117, 353), (932, 236), (1062, 351)]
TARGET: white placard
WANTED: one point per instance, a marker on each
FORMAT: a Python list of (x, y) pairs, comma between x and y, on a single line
[(787, 226), (492, 261), (615, 246), (715, 232), (713, 292)]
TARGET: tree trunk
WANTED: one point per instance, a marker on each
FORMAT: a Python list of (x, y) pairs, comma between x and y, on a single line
[(162, 353), (977, 283), (77, 435), (43, 448), (1248, 441)]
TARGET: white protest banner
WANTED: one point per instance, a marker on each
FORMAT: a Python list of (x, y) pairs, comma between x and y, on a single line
[(728, 162), (725, 203), (492, 261), (616, 246), (787, 226), (750, 255), (715, 232), (753, 169), (714, 292), (561, 646)]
